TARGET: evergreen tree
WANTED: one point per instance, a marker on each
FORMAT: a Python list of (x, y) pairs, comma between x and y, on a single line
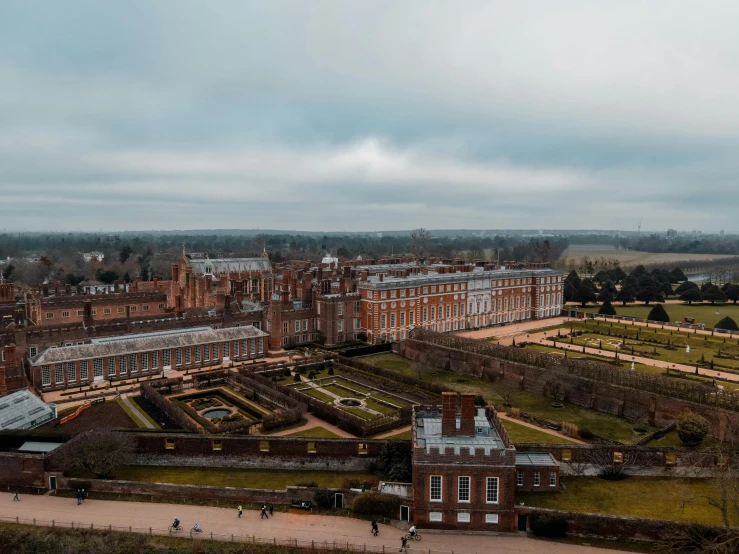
[(626, 294), (584, 294), (714, 294), (569, 292), (728, 324), (638, 271), (732, 293), (573, 278), (658, 313), (679, 275), (607, 308), (691, 295), (605, 295), (666, 289), (686, 285), (648, 295)]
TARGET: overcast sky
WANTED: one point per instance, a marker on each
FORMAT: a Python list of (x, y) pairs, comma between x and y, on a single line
[(369, 115)]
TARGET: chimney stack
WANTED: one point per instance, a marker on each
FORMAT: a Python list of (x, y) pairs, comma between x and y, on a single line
[(448, 414), (467, 420)]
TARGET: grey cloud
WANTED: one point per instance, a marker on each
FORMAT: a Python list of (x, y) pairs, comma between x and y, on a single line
[(339, 115)]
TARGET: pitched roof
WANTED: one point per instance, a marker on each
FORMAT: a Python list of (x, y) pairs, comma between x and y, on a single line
[(118, 346), (24, 410), (230, 265)]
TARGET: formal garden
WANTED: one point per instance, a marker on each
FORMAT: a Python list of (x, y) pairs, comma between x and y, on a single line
[(583, 422), (219, 407)]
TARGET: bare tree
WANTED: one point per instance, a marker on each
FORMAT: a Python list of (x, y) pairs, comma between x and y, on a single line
[(614, 465), (421, 240), (99, 452)]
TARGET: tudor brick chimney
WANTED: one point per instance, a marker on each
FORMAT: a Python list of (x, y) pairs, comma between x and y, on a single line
[(448, 414), (467, 420)]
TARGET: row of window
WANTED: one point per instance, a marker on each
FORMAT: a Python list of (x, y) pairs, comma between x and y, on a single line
[(217, 444), (462, 517), (106, 311), (463, 489), (129, 363), (537, 479), (460, 287)]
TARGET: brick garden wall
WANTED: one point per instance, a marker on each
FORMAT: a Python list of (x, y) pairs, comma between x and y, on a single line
[(22, 469), (246, 452), (621, 401)]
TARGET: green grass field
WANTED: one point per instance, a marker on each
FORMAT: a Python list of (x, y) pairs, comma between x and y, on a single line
[(239, 478), (703, 313), (521, 433), (643, 497), (403, 436), (315, 433), (605, 425)]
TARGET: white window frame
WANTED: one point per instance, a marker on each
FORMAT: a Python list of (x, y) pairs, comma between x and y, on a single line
[(463, 517), (155, 360), (45, 376), (537, 478), (432, 488), (553, 479), (84, 371), (492, 493), (167, 357), (71, 372), (145, 361), (111, 367), (122, 365), (59, 374), (463, 479), (436, 517), (178, 357), (519, 478)]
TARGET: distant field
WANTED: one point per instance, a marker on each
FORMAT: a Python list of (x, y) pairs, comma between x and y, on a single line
[(632, 258), (707, 314)]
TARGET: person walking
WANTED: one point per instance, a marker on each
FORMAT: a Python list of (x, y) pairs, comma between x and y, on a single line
[(240, 510), (264, 511), (403, 544), (15, 496), (271, 509), (79, 497), (375, 530), (83, 495)]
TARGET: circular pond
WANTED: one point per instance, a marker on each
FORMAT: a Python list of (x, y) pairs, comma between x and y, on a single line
[(350, 402), (213, 414)]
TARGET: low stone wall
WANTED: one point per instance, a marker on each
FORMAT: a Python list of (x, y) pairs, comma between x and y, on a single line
[(598, 526), (200, 492)]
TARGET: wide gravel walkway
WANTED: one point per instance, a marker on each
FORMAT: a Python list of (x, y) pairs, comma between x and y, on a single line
[(303, 526)]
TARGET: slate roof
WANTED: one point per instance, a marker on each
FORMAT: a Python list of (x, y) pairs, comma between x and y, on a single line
[(144, 343), (24, 410), (428, 434), (230, 265), (535, 459)]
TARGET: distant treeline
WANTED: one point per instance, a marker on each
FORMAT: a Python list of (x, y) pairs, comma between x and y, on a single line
[(39, 257), (711, 244)]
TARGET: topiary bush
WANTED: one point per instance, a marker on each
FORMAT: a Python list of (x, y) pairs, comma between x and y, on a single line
[(692, 429), (377, 504), (549, 525), (297, 378), (586, 434)]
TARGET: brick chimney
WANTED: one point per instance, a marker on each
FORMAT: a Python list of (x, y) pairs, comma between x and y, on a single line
[(467, 421), (448, 414)]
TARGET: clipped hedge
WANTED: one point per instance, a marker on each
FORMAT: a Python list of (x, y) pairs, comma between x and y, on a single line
[(170, 409), (549, 525), (377, 504)]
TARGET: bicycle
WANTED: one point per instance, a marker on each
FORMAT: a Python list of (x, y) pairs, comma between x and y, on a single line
[(417, 536), (194, 530), (173, 528)]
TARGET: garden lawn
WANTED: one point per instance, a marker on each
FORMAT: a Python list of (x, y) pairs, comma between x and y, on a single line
[(404, 436), (239, 478), (643, 497), (604, 425), (521, 433), (315, 433), (323, 397), (378, 407), (703, 313)]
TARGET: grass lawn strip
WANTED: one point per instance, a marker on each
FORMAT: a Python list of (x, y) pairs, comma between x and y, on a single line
[(323, 397), (239, 478), (404, 436), (521, 433), (142, 412), (642, 497), (315, 433), (129, 413), (601, 424), (703, 313), (378, 407)]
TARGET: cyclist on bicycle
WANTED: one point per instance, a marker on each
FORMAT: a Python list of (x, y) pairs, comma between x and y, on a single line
[(412, 531), (197, 528), (176, 523)]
